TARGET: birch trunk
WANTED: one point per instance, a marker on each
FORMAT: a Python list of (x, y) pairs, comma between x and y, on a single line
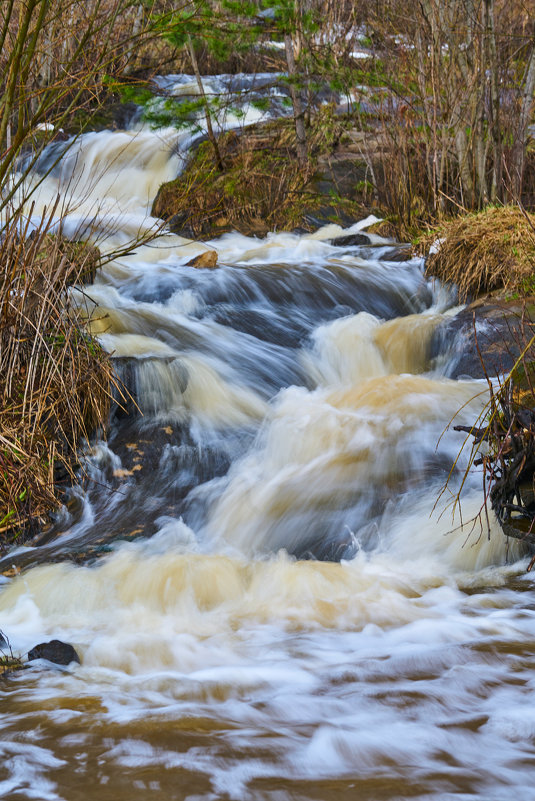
[(209, 128), (299, 117), (519, 148)]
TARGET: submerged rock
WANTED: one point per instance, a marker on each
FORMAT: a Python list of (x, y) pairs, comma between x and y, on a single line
[(60, 653), (152, 383)]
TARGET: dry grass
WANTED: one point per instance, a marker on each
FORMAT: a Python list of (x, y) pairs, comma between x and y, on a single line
[(56, 380), (493, 249)]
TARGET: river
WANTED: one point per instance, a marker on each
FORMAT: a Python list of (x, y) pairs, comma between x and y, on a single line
[(276, 608)]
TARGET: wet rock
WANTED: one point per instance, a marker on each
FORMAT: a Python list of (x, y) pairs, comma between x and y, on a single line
[(399, 253), (112, 115), (351, 240), (483, 339), (327, 215), (206, 260), (73, 500), (334, 550), (179, 224), (56, 651)]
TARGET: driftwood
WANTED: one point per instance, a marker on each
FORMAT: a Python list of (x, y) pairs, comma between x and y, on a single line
[(508, 459), (504, 434)]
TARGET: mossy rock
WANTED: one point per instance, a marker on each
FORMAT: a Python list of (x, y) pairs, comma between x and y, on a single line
[(262, 188), (112, 114), (342, 177)]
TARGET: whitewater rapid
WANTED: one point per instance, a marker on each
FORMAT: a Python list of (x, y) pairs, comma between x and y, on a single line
[(293, 405)]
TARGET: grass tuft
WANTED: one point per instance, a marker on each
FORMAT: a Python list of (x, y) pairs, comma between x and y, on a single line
[(491, 250)]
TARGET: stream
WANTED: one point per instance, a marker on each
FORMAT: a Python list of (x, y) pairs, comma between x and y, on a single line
[(271, 604)]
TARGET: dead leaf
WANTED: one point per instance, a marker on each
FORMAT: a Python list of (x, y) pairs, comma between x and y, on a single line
[(11, 572)]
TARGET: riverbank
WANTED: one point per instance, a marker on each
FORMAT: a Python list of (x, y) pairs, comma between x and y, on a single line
[(490, 256), (57, 379)]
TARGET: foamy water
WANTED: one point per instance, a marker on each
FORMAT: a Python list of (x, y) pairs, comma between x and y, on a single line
[(293, 410)]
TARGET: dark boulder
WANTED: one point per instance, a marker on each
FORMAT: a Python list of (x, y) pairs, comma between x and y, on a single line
[(61, 653), (483, 339), (351, 240), (399, 253)]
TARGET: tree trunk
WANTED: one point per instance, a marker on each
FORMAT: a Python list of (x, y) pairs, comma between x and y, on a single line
[(462, 146), (136, 27), (496, 136), (519, 148), (480, 139), (299, 117), (209, 129)]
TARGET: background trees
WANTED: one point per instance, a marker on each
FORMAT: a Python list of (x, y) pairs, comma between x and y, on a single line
[(461, 75), (446, 85), (304, 43), (54, 55)]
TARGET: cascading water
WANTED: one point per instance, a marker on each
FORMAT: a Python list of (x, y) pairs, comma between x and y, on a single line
[(289, 410)]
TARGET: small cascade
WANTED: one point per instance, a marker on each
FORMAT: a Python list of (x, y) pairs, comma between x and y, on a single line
[(272, 588)]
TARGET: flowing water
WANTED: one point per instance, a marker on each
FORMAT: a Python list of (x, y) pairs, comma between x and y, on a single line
[(274, 607)]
